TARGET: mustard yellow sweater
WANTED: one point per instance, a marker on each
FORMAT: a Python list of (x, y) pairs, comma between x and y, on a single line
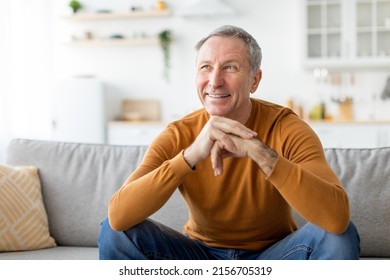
[(241, 209)]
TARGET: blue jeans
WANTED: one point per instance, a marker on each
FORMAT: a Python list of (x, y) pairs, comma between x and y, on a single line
[(155, 241)]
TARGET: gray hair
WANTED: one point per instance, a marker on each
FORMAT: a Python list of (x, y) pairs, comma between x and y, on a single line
[(229, 31)]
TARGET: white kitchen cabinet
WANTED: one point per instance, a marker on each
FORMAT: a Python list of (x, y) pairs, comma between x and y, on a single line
[(353, 135), (347, 33), (324, 29), (133, 133)]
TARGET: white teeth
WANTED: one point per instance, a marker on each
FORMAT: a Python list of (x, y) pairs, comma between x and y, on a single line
[(218, 96)]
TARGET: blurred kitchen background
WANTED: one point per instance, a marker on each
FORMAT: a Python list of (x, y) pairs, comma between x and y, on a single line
[(117, 71)]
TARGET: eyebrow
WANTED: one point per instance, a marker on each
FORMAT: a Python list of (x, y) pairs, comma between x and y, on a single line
[(224, 62)]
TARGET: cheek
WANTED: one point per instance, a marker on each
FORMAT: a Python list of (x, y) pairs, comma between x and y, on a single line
[(200, 78), (244, 85), (235, 85), (201, 82)]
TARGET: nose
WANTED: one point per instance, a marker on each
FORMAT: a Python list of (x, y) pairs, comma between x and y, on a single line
[(216, 78)]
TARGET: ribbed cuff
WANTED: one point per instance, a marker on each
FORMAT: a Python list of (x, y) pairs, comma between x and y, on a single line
[(179, 166), (281, 173)]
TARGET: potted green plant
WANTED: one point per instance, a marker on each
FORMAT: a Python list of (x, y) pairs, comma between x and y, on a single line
[(75, 5), (165, 38)]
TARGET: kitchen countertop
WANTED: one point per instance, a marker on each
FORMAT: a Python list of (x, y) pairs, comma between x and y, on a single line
[(130, 123), (348, 122)]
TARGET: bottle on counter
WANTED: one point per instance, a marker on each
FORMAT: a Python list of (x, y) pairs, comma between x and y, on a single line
[(160, 5)]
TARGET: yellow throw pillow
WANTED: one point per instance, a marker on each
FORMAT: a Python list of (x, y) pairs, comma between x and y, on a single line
[(23, 219)]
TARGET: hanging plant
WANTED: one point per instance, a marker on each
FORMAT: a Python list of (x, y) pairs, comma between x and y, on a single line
[(165, 38), (75, 5)]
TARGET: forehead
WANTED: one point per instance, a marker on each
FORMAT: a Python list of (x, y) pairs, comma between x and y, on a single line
[(222, 48)]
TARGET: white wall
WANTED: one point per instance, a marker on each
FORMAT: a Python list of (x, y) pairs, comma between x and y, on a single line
[(25, 70), (135, 72)]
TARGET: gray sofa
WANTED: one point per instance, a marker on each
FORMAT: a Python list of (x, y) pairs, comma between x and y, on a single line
[(78, 180)]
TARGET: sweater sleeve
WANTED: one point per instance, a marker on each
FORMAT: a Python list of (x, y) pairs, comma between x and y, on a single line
[(306, 181), (150, 186)]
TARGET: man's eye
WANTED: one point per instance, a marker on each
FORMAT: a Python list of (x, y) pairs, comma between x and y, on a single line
[(231, 68)]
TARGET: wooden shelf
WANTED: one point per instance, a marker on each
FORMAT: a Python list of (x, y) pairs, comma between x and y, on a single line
[(128, 15), (115, 42)]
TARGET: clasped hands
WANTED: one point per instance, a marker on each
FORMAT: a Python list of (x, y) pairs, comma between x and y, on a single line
[(221, 138)]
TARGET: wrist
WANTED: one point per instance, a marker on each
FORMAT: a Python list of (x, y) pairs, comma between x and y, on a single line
[(264, 156), (189, 158)]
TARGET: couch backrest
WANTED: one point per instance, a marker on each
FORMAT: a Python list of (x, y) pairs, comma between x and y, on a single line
[(79, 179), (77, 182), (365, 174)]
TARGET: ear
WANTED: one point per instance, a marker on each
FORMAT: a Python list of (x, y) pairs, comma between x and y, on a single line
[(256, 80)]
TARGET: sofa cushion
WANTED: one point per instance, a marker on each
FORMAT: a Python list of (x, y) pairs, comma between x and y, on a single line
[(23, 219), (55, 253), (365, 174)]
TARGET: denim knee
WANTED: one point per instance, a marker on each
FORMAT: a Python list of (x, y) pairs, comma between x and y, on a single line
[(104, 229), (352, 240), (113, 245), (105, 240), (128, 244), (344, 246)]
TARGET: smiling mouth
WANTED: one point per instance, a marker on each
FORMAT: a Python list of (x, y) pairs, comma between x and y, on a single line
[(218, 95)]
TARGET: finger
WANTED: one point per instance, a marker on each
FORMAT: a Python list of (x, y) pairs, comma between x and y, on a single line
[(224, 141), (232, 127), (216, 159)]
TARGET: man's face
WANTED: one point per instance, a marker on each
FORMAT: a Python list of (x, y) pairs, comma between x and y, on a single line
[(223, 79)]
